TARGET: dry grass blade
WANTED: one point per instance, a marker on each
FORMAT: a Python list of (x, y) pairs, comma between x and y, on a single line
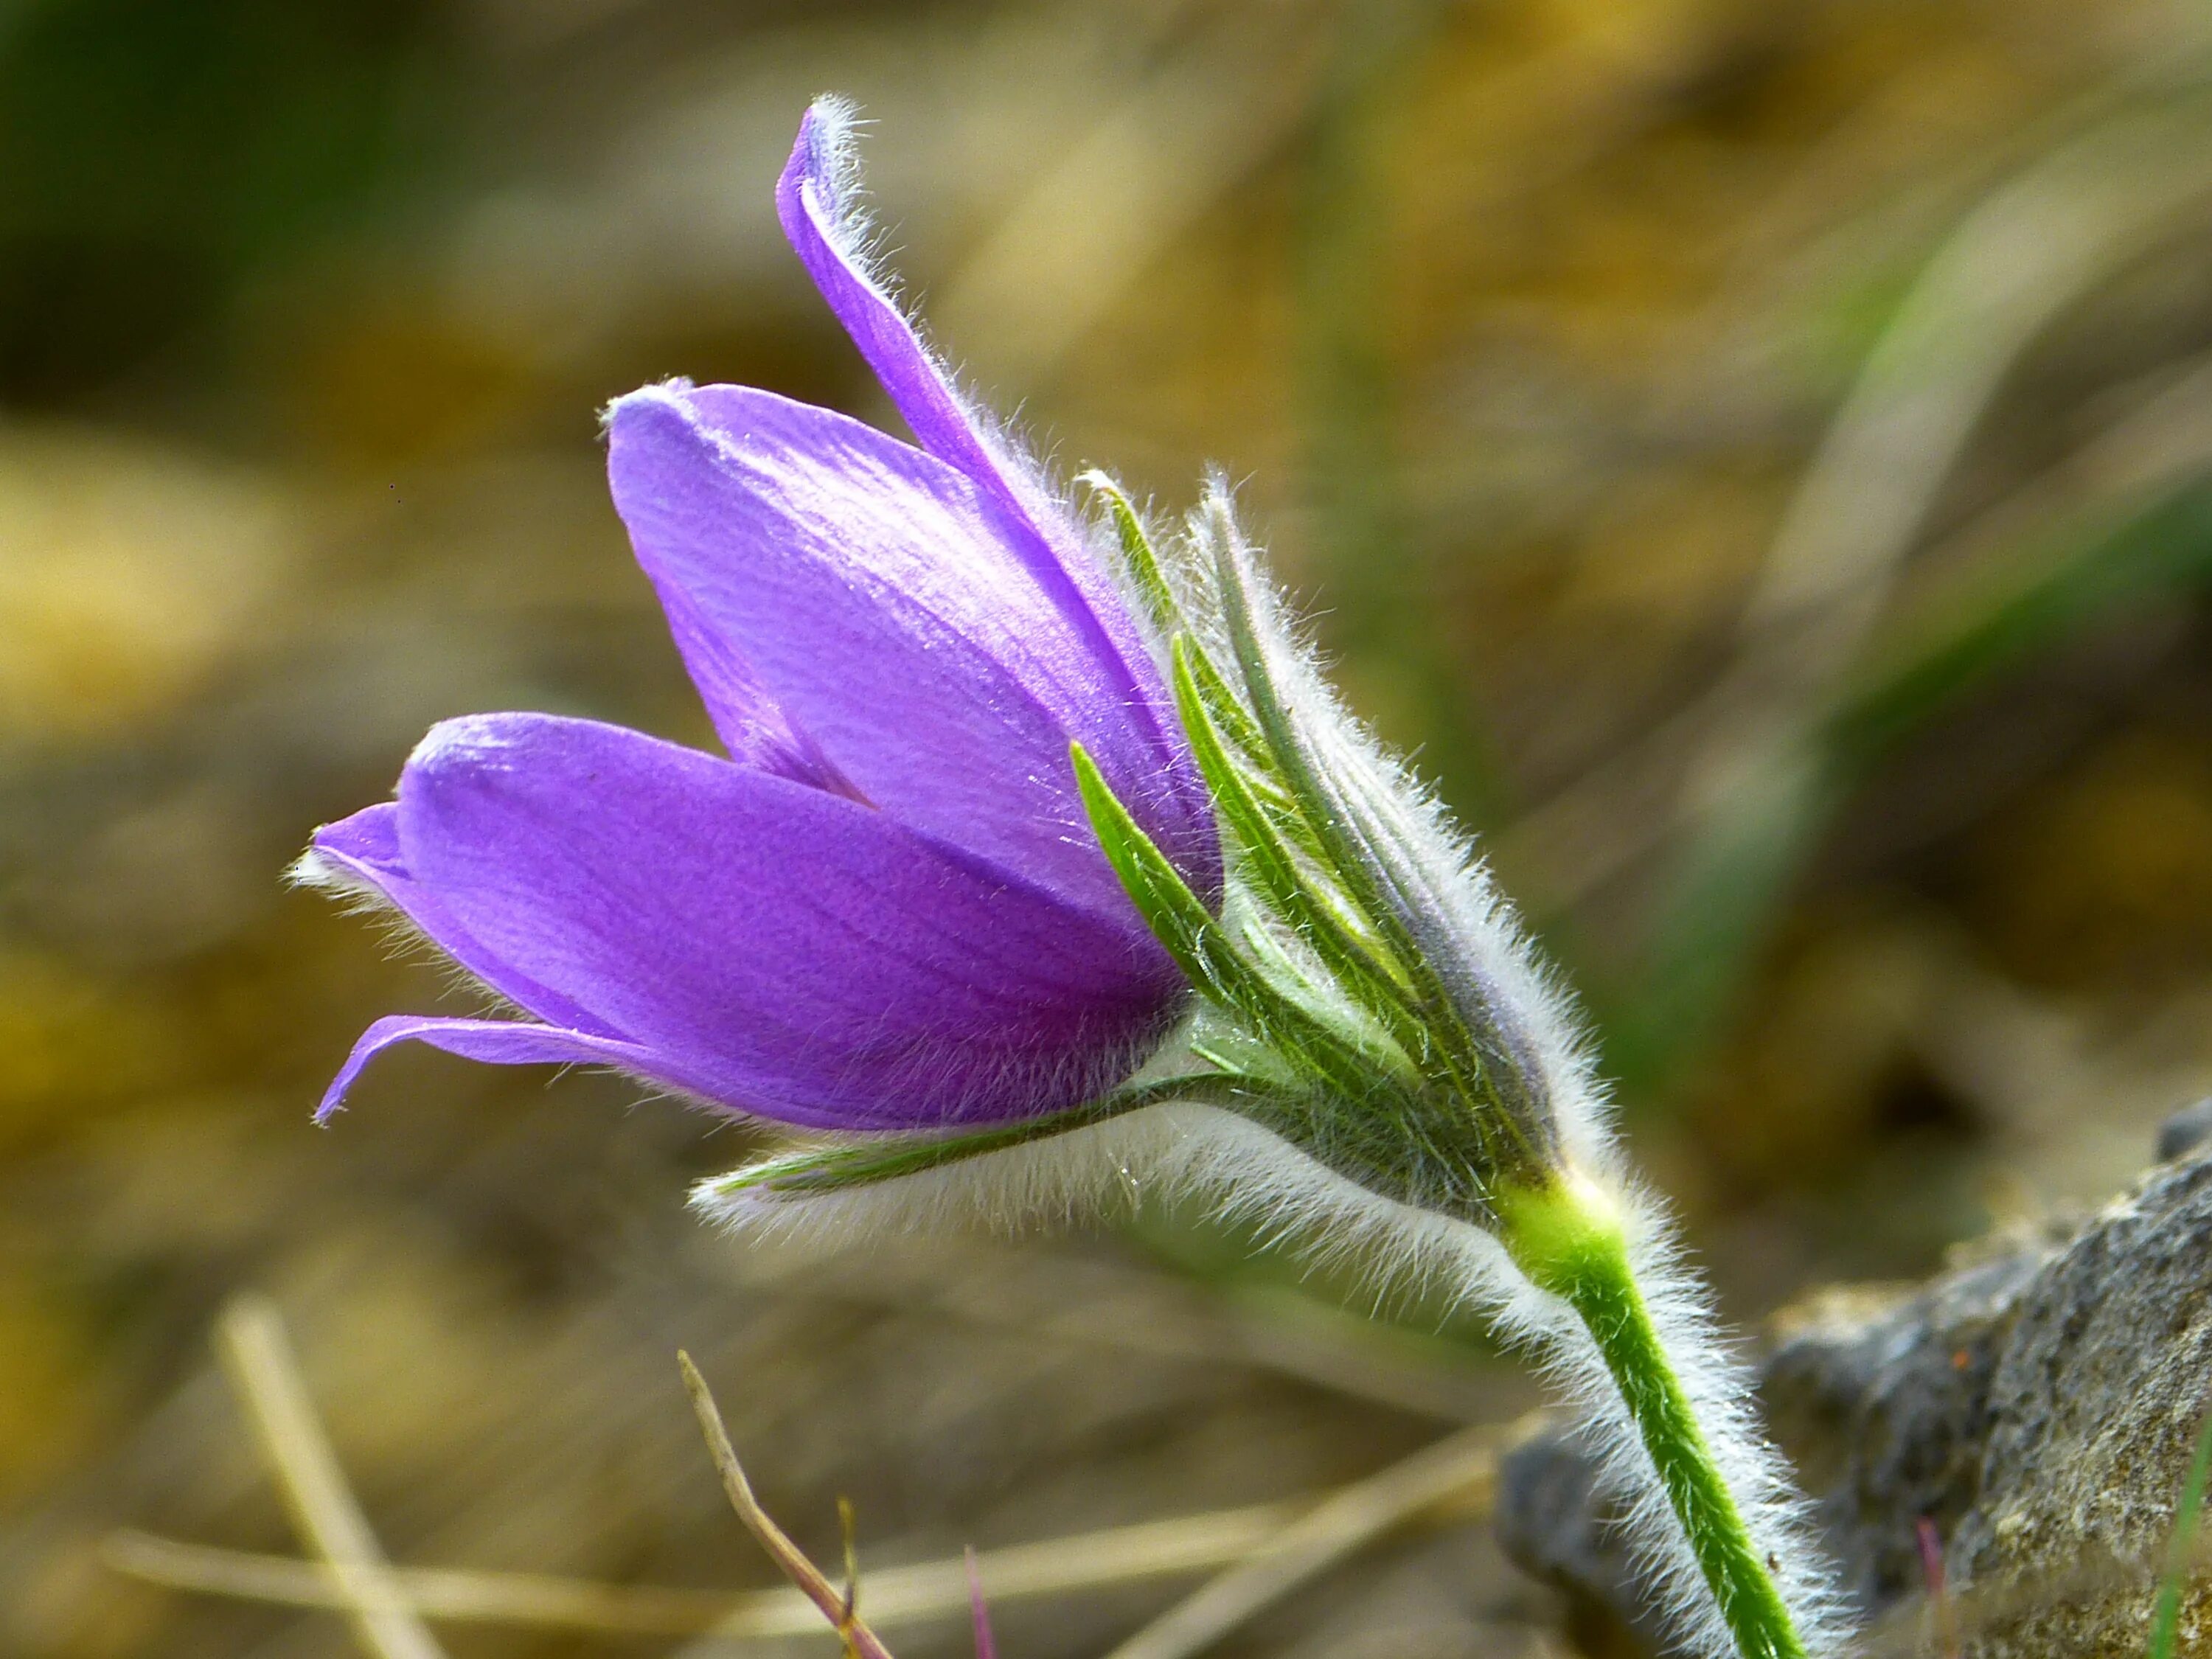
[(1356, 1515), (1287, 1540), (250, 1337), (835, 1605), (1116, 1555), (451, 1593), (910, 1594)]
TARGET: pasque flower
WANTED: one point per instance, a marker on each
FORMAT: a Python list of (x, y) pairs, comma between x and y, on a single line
[(884, 907), (1043, 868)]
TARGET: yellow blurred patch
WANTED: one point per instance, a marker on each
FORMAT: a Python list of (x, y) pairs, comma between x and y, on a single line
[(127, 573), (67, 1042)]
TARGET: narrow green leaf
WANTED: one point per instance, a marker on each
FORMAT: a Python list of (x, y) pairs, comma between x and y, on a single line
[(1242, 734), (1201, 947), (1378, 982), (1137, 552), (1318, 804), (1178, 916), (1166, 612), (1237, 723), (2181, 1548), (1343, 850), (812, 1170)]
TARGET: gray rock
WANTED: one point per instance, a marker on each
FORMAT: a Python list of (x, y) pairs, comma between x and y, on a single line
[(2037, 1404), (1881, 1399), (2185, 1131), (2095, 1406), (1551, 1522)]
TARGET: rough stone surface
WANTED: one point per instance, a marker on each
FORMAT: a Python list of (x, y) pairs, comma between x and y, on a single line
[(2037, 1404), (1547, 1519), (2185, 1131)]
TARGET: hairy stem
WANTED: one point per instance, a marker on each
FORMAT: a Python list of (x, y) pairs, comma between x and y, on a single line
[(1569, 1239)]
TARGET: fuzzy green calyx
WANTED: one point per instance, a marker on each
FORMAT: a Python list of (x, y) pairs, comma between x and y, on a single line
[(1320, 952), (1371, 1094)]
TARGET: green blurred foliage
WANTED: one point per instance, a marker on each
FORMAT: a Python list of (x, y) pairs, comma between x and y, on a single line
[(158, 156)]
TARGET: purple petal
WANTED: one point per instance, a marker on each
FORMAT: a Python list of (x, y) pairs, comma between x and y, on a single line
[(869, 589), (754, 728), (366, 848), (766, 946), (499, 1042), (813, 202)]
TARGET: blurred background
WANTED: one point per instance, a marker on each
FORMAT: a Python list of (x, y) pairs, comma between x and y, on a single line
[(1760, 455)]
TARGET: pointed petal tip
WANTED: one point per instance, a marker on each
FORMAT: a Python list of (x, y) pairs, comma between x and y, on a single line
[(505, 1043), (661, 401), (657, 397), (366, 1047), (353, 859), (464, 742), (823, 159), (817, 201), (369, 836), (833, 116)]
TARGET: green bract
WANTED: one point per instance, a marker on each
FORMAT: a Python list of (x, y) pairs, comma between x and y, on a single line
[(1404, 1087)]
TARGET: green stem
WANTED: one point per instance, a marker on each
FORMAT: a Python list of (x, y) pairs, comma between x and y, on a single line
[(1569, 1240)]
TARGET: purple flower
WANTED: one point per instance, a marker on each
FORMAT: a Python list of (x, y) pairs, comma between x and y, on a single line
[(886, 908)]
